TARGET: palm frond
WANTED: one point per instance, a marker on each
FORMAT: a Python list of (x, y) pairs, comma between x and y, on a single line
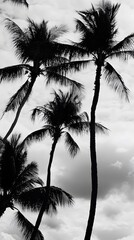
[(33, 198), (126, 44), (12, 72), (63, 80), (17, 98), (69, 66), (115, 81), (99, 128), (71, 144), (123, 54), (37, 135), (19, 38), (27, 227), (26, 179)]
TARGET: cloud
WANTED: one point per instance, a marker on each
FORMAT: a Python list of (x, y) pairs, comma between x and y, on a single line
[(53, 222), (113, 172)]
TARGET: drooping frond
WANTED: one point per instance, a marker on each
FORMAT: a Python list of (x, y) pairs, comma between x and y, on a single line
[(115, 81), (122, 55), (59, 197), (99, 128), (27, 227), (62, 80), (33, 199), (127, 44), (73, 147), (69, 66), (26, 179), (38, 135), (17, 98), (79, 123), (19, 38), (12, 72)]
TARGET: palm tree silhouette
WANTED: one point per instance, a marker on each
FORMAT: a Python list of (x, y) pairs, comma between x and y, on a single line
[(61, 116), (18, 2), (97, 28), (98, 31), (38, 48), (18, 185)]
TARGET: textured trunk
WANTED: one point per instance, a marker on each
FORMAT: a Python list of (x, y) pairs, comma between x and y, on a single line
[(33, 79), (94, 175), (45, 202)]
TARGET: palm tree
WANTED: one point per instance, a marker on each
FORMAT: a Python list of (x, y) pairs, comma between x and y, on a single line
[(18, 2), (97, 28), (18, 185), (38, 48), (61, 116)]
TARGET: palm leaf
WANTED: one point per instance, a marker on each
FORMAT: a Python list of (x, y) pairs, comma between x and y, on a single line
[(37, 135), (115, 81), (126, 44), (17, 98), (27, 227), (62, 80), (33, 198), (13, 72), (69, 66), (26, 179), (99, 128), (71, 144), (123, 54), (20, 39)]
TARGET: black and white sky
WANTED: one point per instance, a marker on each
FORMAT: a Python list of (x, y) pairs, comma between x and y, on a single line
[(115, 151)]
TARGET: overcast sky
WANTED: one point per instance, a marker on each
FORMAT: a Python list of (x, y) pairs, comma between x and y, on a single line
[(115, 151)]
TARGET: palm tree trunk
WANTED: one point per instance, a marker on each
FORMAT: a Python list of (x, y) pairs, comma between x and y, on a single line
[(33, 79), (45, 205), (94, 175)]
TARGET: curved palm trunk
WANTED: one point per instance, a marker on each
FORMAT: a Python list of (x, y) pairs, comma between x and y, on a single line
[(94, 175), (33, 79), (46, 200)]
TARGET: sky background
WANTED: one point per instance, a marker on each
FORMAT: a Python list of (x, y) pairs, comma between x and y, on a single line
[(115, 151)]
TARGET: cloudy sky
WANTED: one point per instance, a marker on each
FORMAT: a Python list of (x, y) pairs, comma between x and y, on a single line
[(115, 151)]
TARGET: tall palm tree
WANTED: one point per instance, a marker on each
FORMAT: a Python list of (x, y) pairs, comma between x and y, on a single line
[(18, 2), (18, 185), (38, 48), (61, 116), (97, 28)]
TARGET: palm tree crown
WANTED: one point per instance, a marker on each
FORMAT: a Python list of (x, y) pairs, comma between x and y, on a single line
[(38, 48), (98, 33), (18, 185), (17, 180), (61, 116)]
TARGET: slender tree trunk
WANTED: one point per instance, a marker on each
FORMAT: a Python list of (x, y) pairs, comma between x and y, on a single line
[(45, 205), (33, 79), (94, 175)]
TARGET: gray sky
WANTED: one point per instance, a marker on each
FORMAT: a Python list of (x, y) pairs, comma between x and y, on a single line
[(115, 214)]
